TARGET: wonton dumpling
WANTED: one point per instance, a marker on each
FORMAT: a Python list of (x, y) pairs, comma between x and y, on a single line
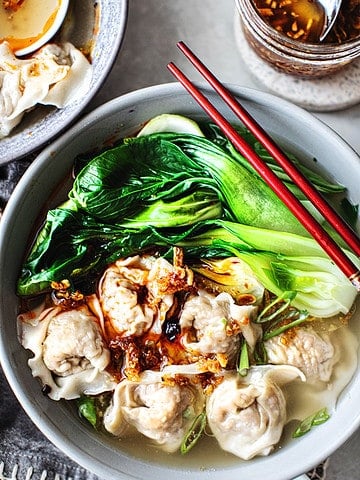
[(247, 414), (137, 292), (70, 356), (55, 75), (73, 343), (119, 298), (161, 411), (304, 348), (216, 321)]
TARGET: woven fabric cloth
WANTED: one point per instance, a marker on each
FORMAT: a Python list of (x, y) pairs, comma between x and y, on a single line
[(9, 177), (25, 453)]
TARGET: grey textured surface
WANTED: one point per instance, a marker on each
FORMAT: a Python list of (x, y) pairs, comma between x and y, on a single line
[(154, 26)]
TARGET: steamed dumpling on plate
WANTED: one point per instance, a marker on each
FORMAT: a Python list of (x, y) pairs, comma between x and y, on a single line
[(55, 75)]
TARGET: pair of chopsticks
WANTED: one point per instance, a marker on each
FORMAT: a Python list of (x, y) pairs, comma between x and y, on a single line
[(328, 244)]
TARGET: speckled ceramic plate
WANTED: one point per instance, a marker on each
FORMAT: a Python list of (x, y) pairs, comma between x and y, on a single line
[(97, 26)]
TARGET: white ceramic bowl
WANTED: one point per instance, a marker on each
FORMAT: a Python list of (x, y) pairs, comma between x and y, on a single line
[(95, 26), (296, 129)]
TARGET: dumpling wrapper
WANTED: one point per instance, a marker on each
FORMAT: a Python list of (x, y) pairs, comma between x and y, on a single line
[(162, 411), (121, 303), (247, 414), (211, 316), (313, 353), (56, 75), (69, 356)]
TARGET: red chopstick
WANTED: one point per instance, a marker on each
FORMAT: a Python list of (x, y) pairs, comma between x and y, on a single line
[(294, 205), (339, 225)]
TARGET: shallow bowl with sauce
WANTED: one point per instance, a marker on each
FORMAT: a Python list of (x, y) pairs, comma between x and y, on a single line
[(97, 28), (107, 457), (32, 24)]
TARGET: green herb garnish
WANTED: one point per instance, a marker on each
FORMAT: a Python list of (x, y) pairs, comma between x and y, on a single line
[(194, 433), (87, 409), (306, 425), (244, 363)]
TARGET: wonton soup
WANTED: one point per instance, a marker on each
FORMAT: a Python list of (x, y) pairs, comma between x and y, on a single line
[(172, 321)]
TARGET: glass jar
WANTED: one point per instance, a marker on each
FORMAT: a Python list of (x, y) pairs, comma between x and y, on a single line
[(293, 56)]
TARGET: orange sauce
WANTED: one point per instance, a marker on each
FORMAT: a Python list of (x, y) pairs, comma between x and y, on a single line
[(303, 20), (26, 25)]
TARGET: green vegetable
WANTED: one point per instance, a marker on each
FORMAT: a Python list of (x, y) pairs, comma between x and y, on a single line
[(170, 122), (214, 133), (244, 362), (194, 207), (194, 433), (122, 181), (283, 262), (349, 211), (313, 420), (248, 198), (320, 288), (279, 316), (299, 318), (170, 189), (76, 247), (268, 313), (87, 409)]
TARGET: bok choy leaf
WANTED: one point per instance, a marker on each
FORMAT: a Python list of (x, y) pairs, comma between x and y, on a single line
[(246, 196), (185, 210), (323, 185), (175, 189), (122, 181), (283, 262)]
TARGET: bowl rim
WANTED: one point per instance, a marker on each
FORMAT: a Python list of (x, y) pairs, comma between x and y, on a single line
[(75, 452)]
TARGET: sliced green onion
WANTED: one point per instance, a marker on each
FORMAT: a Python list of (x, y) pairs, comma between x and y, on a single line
[(260, 353), (87, 409), (194, 433), (317, 418), (286, 298), (303, 315), (244, 363)]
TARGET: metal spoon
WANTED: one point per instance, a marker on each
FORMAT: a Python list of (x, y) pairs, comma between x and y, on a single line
[(331, 8)]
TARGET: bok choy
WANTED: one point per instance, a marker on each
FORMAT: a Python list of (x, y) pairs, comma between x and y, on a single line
[(166, 189)]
